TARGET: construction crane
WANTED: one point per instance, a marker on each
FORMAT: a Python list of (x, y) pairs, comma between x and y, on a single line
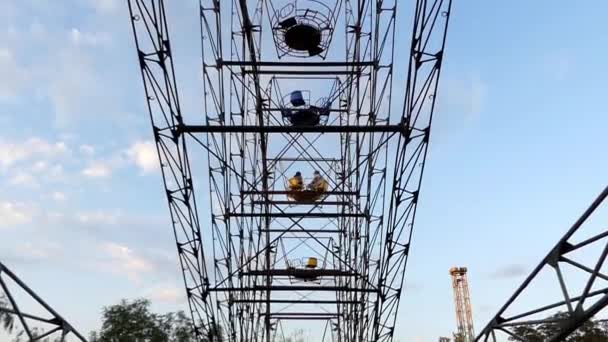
[(462, 302), (13, 293), (292, 87)]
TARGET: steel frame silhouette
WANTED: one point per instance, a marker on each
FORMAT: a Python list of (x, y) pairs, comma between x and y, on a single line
[(574, 305), (61, 328), (365, 239)]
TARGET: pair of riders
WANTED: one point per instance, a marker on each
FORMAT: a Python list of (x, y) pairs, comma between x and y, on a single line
[(318, 183)]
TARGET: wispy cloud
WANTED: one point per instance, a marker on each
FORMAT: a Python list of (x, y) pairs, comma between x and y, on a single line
[(509, 271), (32, 252), (14, 213), (14, 76), (89, 38), (97, 169), (22, 178), (13, 152), (167, 293), (144, 155), (122, 260), (104, 6), (86, 149), (58, 196), (99, 217), (466, 95)]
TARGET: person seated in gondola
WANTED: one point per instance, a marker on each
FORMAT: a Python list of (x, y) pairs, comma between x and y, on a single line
[(303, 114), (296, 183), (318, 183)]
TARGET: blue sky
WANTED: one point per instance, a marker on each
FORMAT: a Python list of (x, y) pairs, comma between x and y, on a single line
[(517, 152)]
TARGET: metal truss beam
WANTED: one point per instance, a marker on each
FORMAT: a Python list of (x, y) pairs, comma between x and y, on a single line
[(576, 312), (296, 301), (60, 329), (431, 18), (300, 215), (285, 192), (292, 288), (299, 203), (241, 122), (293, 129), (298, 273), (149, 24), (297, 64)]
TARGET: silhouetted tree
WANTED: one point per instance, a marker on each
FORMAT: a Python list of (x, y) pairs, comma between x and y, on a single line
[(7, 320), (590, 331), (36, 332), (132, 321)]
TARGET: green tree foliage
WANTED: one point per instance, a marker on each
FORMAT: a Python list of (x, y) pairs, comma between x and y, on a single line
[(133, 321), (590, 331), (130, 321)]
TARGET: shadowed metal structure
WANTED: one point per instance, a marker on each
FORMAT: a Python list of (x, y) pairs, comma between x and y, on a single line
[(576, 307), (262, 258), (35, 326), (462, 302)]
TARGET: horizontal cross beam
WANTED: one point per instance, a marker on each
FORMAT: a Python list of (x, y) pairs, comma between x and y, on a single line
[(300, 273), (287, 192), (291, 129), (289, 215), (296, 301), (299, 230), (296, 64), (302, 202), (292, 288)]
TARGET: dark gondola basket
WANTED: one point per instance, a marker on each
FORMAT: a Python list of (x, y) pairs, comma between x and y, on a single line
[(297, 110), (303, 28)]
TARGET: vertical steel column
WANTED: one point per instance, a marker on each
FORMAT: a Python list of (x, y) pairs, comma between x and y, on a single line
[(149, 23), (431, 19)]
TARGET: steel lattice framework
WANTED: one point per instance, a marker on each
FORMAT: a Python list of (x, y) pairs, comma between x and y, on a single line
[(576, 307), (241, 271), (12, 289), (462, 302)]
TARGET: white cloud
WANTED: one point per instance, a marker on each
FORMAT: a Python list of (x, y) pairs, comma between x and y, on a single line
[(87, 150), (22, 178), (14, 152), (34, 252), (105, 6), (14, 213), (97, 170), (88, 38), (54, 216), (122, 260), (56, 172), (144, 155), (58, 196), (98, 217), (38, 251), (14, 77), (167, 293), (76, 89), (40, 166)]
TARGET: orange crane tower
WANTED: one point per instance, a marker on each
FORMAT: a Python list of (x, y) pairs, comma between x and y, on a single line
[(462, 300)]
